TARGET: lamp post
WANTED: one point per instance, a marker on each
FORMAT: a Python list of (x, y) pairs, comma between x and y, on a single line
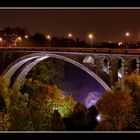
[(127, 35), (19, 39), (90, 36), (69, 37), (49, 38), (1, 41)]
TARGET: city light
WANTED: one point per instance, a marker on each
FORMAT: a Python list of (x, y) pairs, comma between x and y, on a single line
[(120, 43), (0, 41), (90, 36), (98, 118), (70, 35), (19, 38), (127, 34), (48, 37), (26, 36)]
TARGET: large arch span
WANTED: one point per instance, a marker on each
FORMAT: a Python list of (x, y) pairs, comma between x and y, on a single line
[(34, 59)]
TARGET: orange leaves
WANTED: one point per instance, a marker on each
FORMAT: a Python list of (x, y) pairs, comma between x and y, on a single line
[(132, 80), (116, 107)]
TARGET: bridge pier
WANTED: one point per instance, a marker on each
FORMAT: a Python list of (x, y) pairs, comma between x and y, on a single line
[(110, 73), (138, 67)]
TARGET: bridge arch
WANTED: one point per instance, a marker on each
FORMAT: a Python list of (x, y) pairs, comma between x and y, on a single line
[(102, 60), (133, 65), (119, 67), (38, 57), (13, 67), (89, 60)]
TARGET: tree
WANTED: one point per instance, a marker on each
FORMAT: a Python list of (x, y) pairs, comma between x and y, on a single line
[(57, 123), (18, 109), (48, 71), (10, 35), (39, 111), (4, 94), (78, 119), (15, 105), (4, 121), (47, 99), (92, 117), (38, 40), (132, 85), (116, 110)]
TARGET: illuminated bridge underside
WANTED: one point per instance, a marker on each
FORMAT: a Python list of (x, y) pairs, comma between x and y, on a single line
[(38, 57)]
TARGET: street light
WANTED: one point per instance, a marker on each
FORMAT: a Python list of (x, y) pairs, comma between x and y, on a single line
[(49, 38), (19, 38), (1, 41), (90, 36), (69, 37), (127, 34), (26, 36)]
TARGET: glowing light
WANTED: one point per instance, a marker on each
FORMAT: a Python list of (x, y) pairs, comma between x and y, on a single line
[(69, 35), (19, 38), (26, 36), (98, 118), (90, 36), (127, 34), (120, 43), (0, 39), (48, 37)]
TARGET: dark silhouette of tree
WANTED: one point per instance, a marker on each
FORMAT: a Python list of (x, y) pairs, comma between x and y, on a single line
[(81, 43), (10, 35), (92, 116), (38, 40), (57, 123), (78, 120)]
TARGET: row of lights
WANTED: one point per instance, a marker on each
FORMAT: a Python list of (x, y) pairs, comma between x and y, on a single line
[(90, 36), (18, 38)]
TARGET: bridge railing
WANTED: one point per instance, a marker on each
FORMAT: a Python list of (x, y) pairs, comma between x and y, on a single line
[(69, 49)]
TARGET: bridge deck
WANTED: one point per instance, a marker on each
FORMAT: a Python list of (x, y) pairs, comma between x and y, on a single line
[(68, 49)]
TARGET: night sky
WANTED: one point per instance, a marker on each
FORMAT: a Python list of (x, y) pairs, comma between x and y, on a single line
[(107, 25), (81, 85)]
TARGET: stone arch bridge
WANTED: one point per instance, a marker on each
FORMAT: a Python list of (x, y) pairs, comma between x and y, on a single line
[(107, 66)]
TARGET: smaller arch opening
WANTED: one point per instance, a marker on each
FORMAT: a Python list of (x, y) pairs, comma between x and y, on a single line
[(89, 60), (106, 65), (121, 65), (132, 66)]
